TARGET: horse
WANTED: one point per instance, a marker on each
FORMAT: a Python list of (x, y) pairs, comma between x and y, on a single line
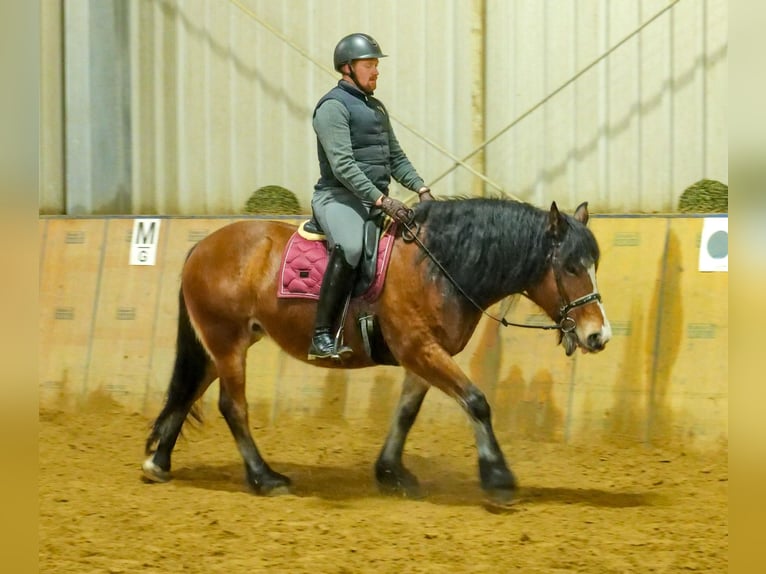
[(456, 258)]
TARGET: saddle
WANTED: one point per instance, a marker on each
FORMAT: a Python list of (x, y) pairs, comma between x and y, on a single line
[(303, 266), (305, 259)]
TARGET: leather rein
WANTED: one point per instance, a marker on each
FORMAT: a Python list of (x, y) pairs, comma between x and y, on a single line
[(565, 324)]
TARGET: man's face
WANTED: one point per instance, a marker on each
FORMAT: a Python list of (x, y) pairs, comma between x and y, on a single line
[(366, 73)]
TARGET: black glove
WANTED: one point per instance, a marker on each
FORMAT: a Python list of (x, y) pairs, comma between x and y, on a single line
[(396, 210), (424, 194)]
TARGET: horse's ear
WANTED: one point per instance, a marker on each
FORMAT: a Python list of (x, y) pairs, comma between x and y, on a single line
[(581, 213), (556, 222)]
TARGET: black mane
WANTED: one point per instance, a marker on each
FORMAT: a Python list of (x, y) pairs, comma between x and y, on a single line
[(496, 247)]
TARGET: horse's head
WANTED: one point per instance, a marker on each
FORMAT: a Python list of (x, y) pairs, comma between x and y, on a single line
[(568, 290)]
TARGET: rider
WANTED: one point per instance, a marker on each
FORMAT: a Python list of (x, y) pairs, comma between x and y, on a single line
[(358, 156)]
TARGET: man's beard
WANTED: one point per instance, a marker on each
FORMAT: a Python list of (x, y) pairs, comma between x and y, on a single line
[(368, 91)]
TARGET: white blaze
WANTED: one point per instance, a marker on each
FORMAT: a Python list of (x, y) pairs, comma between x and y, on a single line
[(606, 330)]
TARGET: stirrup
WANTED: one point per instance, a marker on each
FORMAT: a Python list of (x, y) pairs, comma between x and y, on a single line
[(341, 349), (316, 357)]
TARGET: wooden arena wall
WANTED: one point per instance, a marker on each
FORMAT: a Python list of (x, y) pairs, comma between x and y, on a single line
[(109, 327)]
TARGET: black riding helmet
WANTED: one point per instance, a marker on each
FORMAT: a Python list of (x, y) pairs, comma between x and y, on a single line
[(356, 47)]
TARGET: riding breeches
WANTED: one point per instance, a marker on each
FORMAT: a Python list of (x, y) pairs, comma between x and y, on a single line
[(341, 215)]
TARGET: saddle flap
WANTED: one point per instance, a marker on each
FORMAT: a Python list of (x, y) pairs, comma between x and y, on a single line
[(368, 266)]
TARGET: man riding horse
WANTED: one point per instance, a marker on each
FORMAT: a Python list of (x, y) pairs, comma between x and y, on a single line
[(358, 155)]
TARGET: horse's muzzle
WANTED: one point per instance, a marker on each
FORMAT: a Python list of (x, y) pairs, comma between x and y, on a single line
[(595, 343)]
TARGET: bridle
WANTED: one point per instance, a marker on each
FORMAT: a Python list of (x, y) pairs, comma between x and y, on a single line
[(565, 323)]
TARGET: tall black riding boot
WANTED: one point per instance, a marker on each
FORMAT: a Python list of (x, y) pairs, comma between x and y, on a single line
[(336, 287)]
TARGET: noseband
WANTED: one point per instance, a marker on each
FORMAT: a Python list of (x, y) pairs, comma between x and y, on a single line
[(565, 323)]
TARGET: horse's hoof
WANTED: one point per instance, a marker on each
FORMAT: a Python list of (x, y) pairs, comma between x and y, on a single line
[(276, 491), (154, 473), (501, 497), (497, 480), (398, 482), (503, 505), (274, 484)]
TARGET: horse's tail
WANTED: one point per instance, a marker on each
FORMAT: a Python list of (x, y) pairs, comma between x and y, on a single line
[(188, 373)]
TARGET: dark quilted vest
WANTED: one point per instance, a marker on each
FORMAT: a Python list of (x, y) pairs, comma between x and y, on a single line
[(369, 137)]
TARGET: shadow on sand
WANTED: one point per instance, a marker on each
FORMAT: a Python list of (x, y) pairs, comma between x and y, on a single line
[(442, 486)]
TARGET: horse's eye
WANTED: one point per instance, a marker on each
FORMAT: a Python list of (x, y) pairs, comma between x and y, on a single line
[(571, 269)]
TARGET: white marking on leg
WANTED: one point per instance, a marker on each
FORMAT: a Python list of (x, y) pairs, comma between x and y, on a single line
[(154, 472)]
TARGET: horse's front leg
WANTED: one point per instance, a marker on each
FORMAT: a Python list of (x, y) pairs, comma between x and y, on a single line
[(392, 476), (438, 368), (497, 480), (233, 406)]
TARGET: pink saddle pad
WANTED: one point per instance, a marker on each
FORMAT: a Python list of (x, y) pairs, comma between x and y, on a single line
[(304, 262)]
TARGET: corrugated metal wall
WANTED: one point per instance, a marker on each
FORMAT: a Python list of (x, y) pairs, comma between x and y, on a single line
[(631, 133), (220, 105), (51, 191), (223, 105)]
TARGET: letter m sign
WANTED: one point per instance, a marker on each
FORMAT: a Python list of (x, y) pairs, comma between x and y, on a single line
[(143, 243)]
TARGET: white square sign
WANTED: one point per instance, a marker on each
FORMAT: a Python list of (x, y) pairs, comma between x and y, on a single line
[(144, 241), (714, 245)]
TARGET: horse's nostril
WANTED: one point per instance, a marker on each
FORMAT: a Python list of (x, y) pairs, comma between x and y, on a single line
[(594, 341)]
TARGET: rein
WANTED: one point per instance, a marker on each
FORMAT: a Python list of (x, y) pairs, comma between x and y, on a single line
[(566, 324)]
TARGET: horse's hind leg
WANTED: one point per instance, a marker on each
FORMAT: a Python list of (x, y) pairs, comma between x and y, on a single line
[(166, 429), (392, 476), (233, 406), (193, 372)]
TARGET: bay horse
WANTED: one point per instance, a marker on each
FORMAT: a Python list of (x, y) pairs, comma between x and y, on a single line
[(455, 259)]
